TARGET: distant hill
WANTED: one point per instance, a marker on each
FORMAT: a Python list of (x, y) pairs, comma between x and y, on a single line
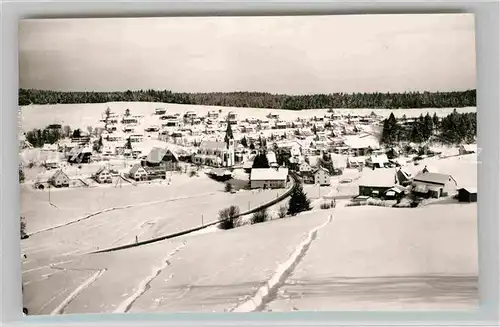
[(405, 100)]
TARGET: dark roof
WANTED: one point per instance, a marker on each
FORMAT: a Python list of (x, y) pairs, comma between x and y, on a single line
[(434, 178), (471, 190)]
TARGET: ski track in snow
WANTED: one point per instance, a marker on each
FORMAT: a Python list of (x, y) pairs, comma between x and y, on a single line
[(60, 308), (117, 208), (267, 293), (146, 283)]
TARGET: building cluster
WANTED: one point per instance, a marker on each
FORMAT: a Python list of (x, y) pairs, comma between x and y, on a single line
[(314, 148)]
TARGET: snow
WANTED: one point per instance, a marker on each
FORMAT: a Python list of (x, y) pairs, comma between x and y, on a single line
[(374, 258), (37, 116)]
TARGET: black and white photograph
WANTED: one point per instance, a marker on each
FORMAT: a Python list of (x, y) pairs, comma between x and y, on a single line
[(248, 164)]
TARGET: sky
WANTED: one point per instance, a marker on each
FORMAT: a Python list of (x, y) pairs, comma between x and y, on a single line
[(288, 55)]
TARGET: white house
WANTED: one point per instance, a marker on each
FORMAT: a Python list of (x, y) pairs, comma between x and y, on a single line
[(377, 161), (138, 173), (322, 177)]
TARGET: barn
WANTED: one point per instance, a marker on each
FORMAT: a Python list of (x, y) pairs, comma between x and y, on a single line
[(467, 194), (436, 185)]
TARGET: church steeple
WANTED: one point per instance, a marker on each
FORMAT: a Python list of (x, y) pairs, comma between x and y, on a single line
[(229, 133)]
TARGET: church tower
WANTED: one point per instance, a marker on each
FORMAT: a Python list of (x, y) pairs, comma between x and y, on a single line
[(229, 140)]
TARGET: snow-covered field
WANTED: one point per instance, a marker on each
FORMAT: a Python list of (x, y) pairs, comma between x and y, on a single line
[(373, 258), (352, 258), (364, 258), (83, 115)]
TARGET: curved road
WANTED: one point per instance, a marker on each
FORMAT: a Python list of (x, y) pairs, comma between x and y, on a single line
[(296, 182)]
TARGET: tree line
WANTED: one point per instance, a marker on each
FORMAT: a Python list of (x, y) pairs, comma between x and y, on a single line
[(455, 128), (262, 100)]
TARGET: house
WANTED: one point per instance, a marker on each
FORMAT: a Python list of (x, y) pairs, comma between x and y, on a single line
[(467, 149), (59, 179), (403, 177), (138, 173), (321, 177), (434, 185), (305, 168), (355, 162), (80, 155), (163, 158), (377, 161), (136, 138), (376, 182), (129, 120), (160, 111), (103, 175), (268, 178), (467, 194), (51, 163)]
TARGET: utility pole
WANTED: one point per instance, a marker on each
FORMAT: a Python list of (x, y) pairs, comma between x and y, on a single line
[(202, 221)]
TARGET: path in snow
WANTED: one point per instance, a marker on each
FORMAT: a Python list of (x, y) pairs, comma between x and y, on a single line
[(376, 258), (267, 293), (60, 308), (145, 285)]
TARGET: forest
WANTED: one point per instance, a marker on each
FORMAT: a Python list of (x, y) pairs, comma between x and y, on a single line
[(262, 100), (452, 129)]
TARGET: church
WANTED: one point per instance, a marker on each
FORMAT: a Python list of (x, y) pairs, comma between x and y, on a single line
[(217, 153)]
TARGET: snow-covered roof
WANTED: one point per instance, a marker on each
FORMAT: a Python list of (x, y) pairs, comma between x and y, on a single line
[(135, 169), (432, 178), (377, 177), (271, 157), (361, 142), (470, 189), (213, 145), (470, 147), (266, 174)]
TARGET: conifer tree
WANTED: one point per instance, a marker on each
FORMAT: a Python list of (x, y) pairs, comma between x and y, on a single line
[(299, 201)]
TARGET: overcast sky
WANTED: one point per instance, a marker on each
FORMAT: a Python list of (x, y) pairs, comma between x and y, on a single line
[(293, 55)]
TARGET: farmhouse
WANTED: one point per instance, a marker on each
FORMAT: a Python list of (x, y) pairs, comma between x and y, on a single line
[(102, 175), (467, 194), (434, 185), (268, 178), (138, 173), (59, 179)]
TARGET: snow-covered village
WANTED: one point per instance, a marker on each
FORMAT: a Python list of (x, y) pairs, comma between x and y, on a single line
[(153, 201)]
